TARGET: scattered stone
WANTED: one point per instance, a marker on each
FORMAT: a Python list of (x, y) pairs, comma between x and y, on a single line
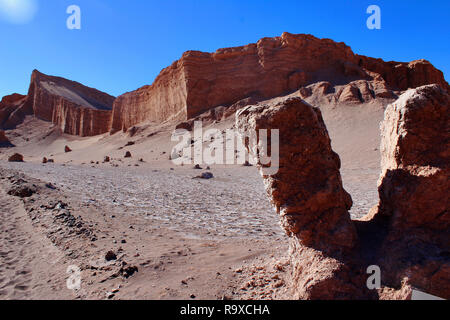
[(22, 191), (110, 255), (44, 160), (67, 149), (197, 167), (4, 141), (205, 175), (107, 159), (110, 295), (16, 157), (128, 154), (128, 271)]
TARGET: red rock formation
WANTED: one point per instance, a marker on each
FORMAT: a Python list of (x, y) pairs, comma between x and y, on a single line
[(413, 189), (76, 109), (272, 67), (416, 159), (408, 236), (307, 162), (16, 157), (402, 76), (13, 110), (308, 194)]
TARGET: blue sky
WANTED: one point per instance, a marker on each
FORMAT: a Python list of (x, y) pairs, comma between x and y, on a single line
[(123, 45)]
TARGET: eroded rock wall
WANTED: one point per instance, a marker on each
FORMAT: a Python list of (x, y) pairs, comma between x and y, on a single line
[(271, 67), (13, 110), (73, 107)]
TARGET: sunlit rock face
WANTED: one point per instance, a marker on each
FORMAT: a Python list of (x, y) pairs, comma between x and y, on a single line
[(73, 107), (271, 67)]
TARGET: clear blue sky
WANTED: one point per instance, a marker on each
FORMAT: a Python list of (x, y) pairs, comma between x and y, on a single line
[(124, 44)]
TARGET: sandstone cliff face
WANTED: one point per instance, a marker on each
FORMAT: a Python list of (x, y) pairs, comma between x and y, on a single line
[(76, 109), (164, 100), (272, 67)]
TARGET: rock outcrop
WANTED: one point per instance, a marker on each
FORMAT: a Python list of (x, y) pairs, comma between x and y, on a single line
[(307, 186), (407, 236), (413, 189), (272, 67), (415, 165), (308, 195), (13, 110), (75, 108)]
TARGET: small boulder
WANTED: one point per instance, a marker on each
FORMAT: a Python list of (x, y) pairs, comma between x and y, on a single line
[(128, 154), (16, 157), (205, 175), (110, 255), (67, 149), (44, 160), (107, 159)]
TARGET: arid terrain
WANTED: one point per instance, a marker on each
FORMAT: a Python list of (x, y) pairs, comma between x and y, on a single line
[(139, 226), (177, 229)]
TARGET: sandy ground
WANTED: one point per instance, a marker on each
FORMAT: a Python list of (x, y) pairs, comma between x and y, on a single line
[(174, 237)]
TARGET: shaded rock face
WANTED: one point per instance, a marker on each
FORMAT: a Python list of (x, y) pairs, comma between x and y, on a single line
[(272, 67), (4, 141), (413, 190), (76, 109), (13, 110), (415, 165)]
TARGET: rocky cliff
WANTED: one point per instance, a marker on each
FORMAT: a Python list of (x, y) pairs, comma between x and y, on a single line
[(200, 81), (75, 108)]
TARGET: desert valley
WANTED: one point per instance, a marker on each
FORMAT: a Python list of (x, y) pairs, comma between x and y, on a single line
[(89, 186)]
